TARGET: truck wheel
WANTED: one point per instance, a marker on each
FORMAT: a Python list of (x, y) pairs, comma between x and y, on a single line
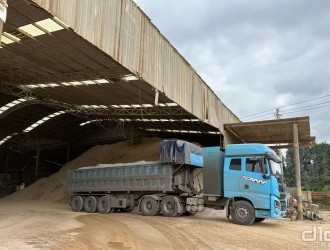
[(149, 206), (77, 203), (259, 219), (103, 205), (169, 207), (242, 213), (90, 204)]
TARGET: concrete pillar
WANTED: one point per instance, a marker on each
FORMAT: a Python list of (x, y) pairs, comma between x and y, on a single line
[(1, 28), (36, 173), (3, 15), (297, 167)]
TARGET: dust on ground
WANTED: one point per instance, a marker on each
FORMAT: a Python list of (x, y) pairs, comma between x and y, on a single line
[(48, 225), (40, 217)]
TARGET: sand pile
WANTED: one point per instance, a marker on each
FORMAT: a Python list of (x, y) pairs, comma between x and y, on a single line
[(53, 187)]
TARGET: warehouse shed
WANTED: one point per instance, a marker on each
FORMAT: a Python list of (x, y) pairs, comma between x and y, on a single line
[(74, 74)]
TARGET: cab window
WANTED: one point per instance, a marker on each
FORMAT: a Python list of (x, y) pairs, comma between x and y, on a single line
[(254, 166), (235, 164)]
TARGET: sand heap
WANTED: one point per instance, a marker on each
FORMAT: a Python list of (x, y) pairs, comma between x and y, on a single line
[(53, 187)]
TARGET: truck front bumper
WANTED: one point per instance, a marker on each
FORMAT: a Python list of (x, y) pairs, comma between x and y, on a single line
[(275, 209)]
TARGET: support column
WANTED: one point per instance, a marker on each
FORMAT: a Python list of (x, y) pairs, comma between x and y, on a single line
[(3, 15), (68, 154), (297, 167), (1, 28), (7, 162), (36, 174)]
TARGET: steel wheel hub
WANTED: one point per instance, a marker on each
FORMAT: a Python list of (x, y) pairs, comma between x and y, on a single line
[(242, 213)]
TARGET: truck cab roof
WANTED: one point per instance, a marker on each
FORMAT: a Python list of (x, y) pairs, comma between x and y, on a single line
[(250, 149)]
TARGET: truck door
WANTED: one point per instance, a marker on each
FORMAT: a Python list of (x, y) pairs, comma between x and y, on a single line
[(255, 186), (233, 185)]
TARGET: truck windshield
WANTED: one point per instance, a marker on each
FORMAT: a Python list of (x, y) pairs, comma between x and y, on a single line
[(276, 168)]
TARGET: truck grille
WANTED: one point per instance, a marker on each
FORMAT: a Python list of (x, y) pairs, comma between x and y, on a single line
[(281, 187), (283, 205)]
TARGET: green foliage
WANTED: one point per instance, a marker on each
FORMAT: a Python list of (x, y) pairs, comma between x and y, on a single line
[(315, 168)]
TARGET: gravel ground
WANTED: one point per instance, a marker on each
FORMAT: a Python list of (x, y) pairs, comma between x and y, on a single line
[(45, 225), (39, 217)]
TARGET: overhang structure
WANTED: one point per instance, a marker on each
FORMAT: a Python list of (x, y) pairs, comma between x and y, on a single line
[(69, 66), (277, 133), (98, 63)]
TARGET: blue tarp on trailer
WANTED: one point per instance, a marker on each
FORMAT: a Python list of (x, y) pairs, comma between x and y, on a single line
[(181, 152)]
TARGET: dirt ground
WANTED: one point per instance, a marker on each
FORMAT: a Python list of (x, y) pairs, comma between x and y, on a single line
[(46, 225), (39, 217)]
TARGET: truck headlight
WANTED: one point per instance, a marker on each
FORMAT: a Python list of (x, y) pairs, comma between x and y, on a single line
[(277, 204)]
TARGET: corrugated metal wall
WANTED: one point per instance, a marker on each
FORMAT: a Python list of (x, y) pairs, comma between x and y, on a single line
[(123, 31)]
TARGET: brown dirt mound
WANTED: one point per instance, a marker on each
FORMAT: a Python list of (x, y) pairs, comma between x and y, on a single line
[(53, 187)]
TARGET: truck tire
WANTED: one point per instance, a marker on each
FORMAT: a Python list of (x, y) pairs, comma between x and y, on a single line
[(149, 206), (169, 207), (104, 205), (259, 219), (77, 203), (90, 204), (242, 213)]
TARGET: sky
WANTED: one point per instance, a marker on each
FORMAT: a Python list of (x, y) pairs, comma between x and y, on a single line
[(256, 55)]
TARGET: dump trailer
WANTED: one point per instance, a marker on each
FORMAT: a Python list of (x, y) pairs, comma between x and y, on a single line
[(246, 179)]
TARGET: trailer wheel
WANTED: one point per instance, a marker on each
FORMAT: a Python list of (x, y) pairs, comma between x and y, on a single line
[(259, 219), (149, 206), (104, 205), (169, 207), (243, 213), (90, 204), (77, 203)]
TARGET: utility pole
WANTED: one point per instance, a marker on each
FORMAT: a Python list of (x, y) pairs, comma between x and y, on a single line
[(278, 117), (277, 114)]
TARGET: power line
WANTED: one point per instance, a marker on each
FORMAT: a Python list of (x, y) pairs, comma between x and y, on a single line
[(309, 100), (307, 106), (307, 109), (293, 109), (271, 116)]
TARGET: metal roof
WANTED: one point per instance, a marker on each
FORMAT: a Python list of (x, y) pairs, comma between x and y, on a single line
[(105, 65), (60, 70), (273, 132)]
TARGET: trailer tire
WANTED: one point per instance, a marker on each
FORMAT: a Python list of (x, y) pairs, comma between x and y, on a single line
[(90, 204), (149, 206), (77, 203), (243, 213), (169, 207), (104, 205), (259, 219)]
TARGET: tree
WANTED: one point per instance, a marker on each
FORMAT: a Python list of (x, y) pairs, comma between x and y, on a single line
[(315, 167)]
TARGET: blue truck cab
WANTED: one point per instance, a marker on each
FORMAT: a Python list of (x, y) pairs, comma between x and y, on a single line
[(247, 179)]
